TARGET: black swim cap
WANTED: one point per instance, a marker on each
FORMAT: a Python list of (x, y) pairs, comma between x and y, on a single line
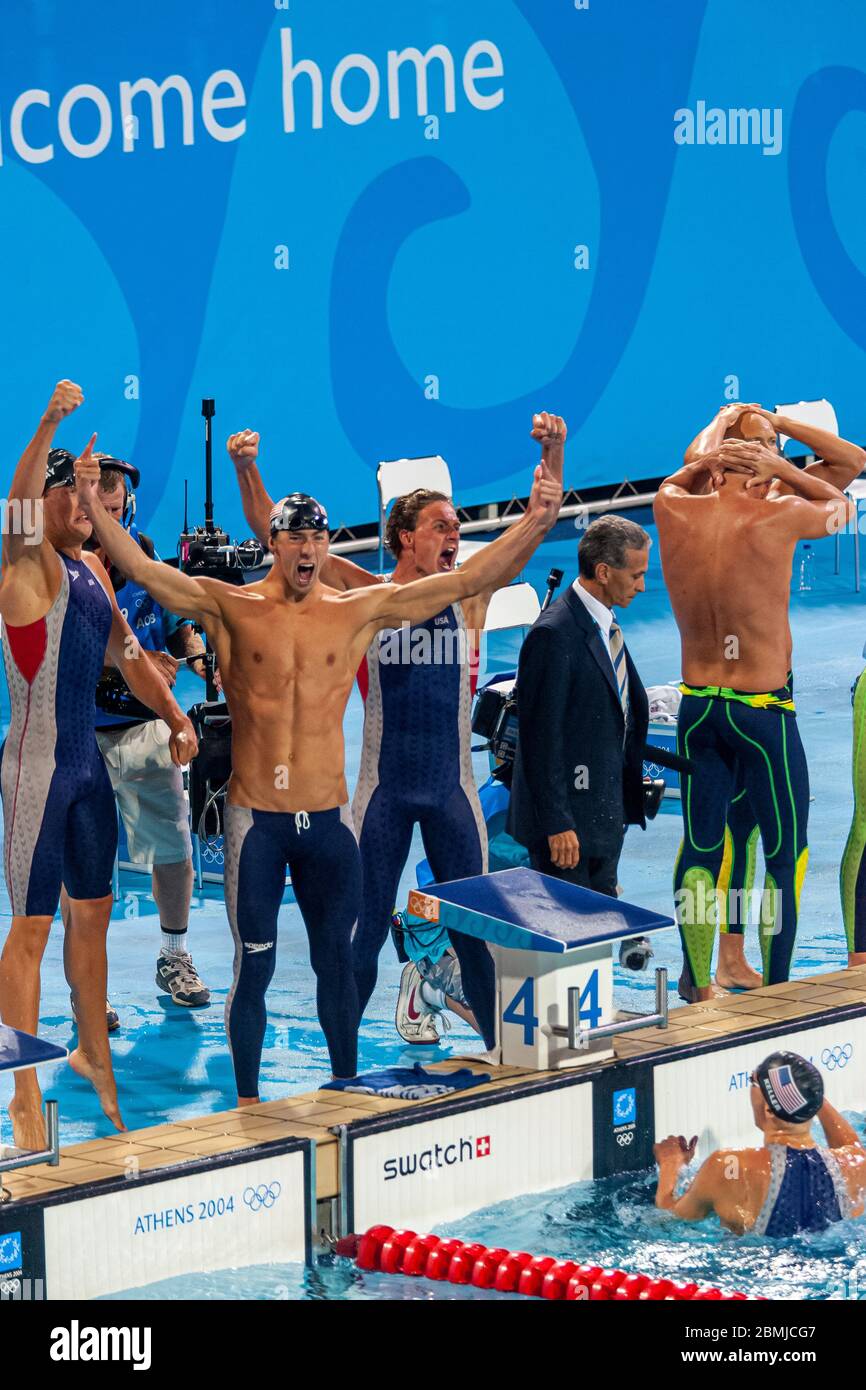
[(791, 1086), (129, 470), (60, 471), (298, 512)]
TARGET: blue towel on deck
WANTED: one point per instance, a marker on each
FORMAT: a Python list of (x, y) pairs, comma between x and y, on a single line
[(409, 1083)]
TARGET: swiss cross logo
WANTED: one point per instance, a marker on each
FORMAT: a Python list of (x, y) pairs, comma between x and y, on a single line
[(482, 1146)]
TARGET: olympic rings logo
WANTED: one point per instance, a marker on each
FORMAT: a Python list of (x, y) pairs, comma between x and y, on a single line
[(838, 1056), (264, 1196), (625, 1139)]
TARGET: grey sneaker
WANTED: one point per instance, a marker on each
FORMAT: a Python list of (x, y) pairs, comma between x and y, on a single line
[(176, 975), (111, 1019)]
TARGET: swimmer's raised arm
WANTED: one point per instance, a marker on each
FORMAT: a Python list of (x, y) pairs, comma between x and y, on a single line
[(838, 461), (340, 573), (811, 505), (243, 448), (28, 481), (839, 1134), (389, 604), (694, 479), (550, 431), (180, 593), (672, 1155), (711, 436)]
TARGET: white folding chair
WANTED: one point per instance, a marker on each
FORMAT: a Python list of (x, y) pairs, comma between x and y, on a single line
[(514, 606), (818, 413), (396, 476), (822, 415)]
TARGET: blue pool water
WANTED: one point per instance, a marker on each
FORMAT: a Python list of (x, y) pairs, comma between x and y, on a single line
[(613, 1223), (172, 1063)]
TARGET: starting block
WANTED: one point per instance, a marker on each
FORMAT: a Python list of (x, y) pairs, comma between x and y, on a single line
[(553, 945), (20, 1052)]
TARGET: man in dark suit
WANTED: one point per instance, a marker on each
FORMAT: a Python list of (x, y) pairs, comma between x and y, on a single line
[(583, 717)]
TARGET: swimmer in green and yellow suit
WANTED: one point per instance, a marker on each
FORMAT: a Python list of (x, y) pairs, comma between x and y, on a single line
[(852, 874), (838, 462), (727, 556)]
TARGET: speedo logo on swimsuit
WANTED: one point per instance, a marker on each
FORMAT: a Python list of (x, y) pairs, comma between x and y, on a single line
[(464, 1150), (421, 646), (251, 947), (77, 1343)]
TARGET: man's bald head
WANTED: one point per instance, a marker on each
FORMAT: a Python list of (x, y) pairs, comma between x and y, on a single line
[(752, 426)]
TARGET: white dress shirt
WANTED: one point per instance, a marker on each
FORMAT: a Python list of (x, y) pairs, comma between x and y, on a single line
[(602, 615), (597, 610)]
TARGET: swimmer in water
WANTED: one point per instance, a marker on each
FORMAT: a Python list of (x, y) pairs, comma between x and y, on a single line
[(288, 649), (727, 540), (60, 624), (791, 1183)]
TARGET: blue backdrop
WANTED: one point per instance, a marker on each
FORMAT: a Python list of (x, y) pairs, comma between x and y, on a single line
[(362, 273)]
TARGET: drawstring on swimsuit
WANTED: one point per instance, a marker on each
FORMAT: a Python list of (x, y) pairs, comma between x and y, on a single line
[(302, 821)]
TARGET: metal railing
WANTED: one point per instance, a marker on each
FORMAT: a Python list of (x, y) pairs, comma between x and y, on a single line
[(579, 1038)]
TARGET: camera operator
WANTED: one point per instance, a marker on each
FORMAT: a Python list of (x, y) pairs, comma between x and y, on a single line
[(583, 717), (147, 785)]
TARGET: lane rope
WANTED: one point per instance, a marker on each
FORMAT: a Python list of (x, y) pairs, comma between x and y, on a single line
[(390, 1251)]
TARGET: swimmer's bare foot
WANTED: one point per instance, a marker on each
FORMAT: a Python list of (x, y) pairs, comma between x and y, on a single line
[(102, 1080), (28, 1124), (693, 994), (732, 969), (248, 1100), (743, 977), (856, 958)]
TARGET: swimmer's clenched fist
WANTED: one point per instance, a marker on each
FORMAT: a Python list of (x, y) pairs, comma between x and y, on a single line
[(243, 448), (65, 398), (548, 429)]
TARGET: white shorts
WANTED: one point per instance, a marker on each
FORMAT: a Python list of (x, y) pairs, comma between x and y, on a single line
[(149, 791)]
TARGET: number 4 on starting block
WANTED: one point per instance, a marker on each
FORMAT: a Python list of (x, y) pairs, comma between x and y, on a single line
[(532, 1003)]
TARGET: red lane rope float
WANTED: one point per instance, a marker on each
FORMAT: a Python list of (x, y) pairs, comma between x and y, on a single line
[(509, 1271)]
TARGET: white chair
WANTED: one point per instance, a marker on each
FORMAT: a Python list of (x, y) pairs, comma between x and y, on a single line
[(396, 476), (468, 549), (822, 415), (514, 606), (818, 413)]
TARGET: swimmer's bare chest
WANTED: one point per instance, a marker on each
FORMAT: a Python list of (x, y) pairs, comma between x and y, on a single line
[(287, 673)]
